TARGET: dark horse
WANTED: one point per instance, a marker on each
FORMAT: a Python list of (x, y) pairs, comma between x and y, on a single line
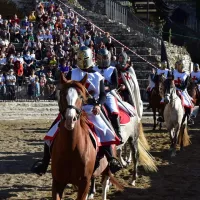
[(155, 99), (193, 91), (73, 153)]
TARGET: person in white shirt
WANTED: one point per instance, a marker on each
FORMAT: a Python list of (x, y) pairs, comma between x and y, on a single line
[(3, 59), (10, 84)]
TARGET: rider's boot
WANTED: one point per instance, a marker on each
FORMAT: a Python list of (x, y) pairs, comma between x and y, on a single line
[(40, 167), (114, 164), (116, 125)]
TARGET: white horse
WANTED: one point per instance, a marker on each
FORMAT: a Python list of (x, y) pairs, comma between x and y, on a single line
[(175, 119), (132, 133)]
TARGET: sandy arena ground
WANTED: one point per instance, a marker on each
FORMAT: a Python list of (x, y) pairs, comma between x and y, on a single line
[(21, 145)]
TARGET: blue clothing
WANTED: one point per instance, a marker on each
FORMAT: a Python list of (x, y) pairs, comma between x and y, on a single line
[(37, 89), (64, 69)]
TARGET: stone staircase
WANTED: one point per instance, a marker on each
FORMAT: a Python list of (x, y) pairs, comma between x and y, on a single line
[(36, 110), (133, 39)]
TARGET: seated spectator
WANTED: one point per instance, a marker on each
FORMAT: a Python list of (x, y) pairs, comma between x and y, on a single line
[(28, 63), (32, 17), (15, 32), (10, 85), (41, 71), (3, 59), (44, 19), (63, 66), (23, 33), (18, 57), (53, 61), (110, 46), (15, 19), (25, 22)]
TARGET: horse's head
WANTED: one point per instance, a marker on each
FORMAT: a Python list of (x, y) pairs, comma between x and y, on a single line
[(170, 90), (159, 84), (72, 96)]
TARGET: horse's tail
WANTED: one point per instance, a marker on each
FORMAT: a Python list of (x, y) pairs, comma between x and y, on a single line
[(142, 137), (115, 182), (146, 159), (183, 136)]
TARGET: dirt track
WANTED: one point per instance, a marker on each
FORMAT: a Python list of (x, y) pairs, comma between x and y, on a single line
[(21, 144)]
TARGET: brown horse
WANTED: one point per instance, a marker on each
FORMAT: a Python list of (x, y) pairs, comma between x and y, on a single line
[(193, 91), (73, 154), (155, 99)]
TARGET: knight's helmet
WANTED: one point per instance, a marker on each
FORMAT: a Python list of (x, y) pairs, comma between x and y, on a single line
[(181, 65), (164, 64), (196, 67), (122, 61), (85, 58), (103, 58)]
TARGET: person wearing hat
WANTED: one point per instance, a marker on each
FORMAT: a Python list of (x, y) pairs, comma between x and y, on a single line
[(10, 84)]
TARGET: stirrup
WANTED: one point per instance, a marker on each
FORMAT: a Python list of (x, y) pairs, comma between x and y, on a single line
[(39, 168), (115, 165)]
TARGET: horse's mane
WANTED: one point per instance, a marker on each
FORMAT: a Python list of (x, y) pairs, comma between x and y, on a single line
[(81, 89)]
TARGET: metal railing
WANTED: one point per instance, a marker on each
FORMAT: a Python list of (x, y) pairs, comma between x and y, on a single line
[(116, 12), (125, 15)]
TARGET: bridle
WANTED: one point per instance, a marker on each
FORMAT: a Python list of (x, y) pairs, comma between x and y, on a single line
[(78, 110)]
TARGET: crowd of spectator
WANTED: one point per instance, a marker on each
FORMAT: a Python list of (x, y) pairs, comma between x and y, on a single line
[(50, 38)]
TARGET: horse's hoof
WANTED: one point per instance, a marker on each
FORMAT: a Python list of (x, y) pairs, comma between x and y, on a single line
[(91, 196), (133, 183), (173, 154)]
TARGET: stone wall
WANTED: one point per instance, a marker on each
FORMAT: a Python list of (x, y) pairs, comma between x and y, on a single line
[(176, 53)]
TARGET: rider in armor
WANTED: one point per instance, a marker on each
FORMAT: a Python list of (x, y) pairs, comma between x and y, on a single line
[(163, 69), (110, 82), (195, 75), (128, 83), (123, 66), (181, 80), (97, 96)]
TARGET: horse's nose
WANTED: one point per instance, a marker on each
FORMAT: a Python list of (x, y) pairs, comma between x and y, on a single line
[(166, 100), (74, 119)]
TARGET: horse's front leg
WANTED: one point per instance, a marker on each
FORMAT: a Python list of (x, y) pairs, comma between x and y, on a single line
[(135, 156), (119, 152), (105, 187), (92, 189), (154, 118), (175, 139), (57, 190)]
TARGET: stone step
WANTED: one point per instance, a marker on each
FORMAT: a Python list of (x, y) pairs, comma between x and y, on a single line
[(32, 104), (138, 50), (150, 58), (141, 74), (143, 83), (30, 109), (143, 65)]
